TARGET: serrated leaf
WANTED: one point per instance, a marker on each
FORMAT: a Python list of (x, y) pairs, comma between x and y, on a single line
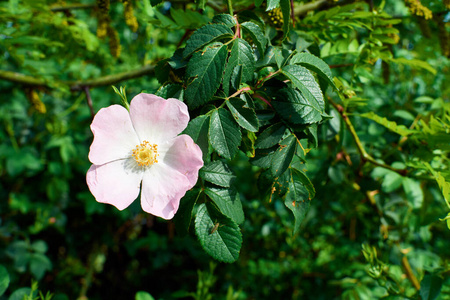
[(219, 236), (228, 201), (224, 19), (282, 158), (300, 176), (206, 68), (206, 35), (302, 79), (241, 55), (217, 172), (286, 12), (263, 157), (314, 64), (244, 116), (182, 219), (198, 129), (171, 90), (430, 286), (248, 144), (415, 63), (257, 35), (293, 107), (391, 125), (224, 133), (296, 199), (270, 136)]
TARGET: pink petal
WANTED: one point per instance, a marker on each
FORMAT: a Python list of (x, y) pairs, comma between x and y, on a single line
[(156, 119), (114, 135), (115, 183), (162, 189), (185, 157)]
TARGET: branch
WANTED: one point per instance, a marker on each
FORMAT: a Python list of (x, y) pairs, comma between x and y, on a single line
[(79, 84), (71, 6), (365, 157), (303, 9)]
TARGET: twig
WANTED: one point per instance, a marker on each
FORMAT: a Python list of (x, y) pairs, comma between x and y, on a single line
[(79, 84), (409, 273), (365, 157), (71, 6), (89, 101), (303, 9)]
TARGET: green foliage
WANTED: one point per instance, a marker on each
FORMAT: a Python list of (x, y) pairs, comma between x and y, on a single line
[(325, 143)]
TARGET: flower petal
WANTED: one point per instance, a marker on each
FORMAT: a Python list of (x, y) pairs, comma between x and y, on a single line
[(185, 157), (114, 135), (162, 189), (156, 119), (114, 183)]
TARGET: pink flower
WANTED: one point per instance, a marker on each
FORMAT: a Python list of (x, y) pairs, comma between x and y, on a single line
[(143, 145)]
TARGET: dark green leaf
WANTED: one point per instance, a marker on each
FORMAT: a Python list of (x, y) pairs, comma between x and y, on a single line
[(224, 133), (197, 129), (302, 79), (286, 11), (206, 35), (224, 19), (162, 71), (218, 234), (430, 287), (297, 200), (171, 90), (293, 107), (248, 144), (314, 64), (270, 136), (206, 69), (182, 219), (228, 201), (4, 280), (301, 177), (284, 155), (263, 157), (217, 172), (244, 116), (256, 34), (241, 55)]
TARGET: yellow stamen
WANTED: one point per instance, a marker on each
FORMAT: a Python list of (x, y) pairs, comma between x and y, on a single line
[(146, 154)]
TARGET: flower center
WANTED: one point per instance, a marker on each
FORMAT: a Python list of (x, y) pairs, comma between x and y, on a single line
[(146, 154)]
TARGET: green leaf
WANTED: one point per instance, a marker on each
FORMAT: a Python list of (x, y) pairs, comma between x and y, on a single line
[(314, 64), (248, 144), (39, 246), (303, 179), (141, 295), (39, 264), (415, 63), (263, 157), (413, 192), (22, 293), (224, 133), (4, 280), (206, 69), (219, 236), (182, 219), (271, 4), (171, 90), (297, 200), (241, 55), (430, 287), (206, 35), (217, 172), (228, 201), (284, 155), (270, 136), (197, 129), (302, 79), (244, 116), (257, 35), (286, 12), (224, 19), (391, 125), (293, 107)]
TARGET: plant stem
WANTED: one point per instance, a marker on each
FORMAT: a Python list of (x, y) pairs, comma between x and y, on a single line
[(365, 157), (409, 273), (79, 84), (303, 9), (230, 7), (71, 6)]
